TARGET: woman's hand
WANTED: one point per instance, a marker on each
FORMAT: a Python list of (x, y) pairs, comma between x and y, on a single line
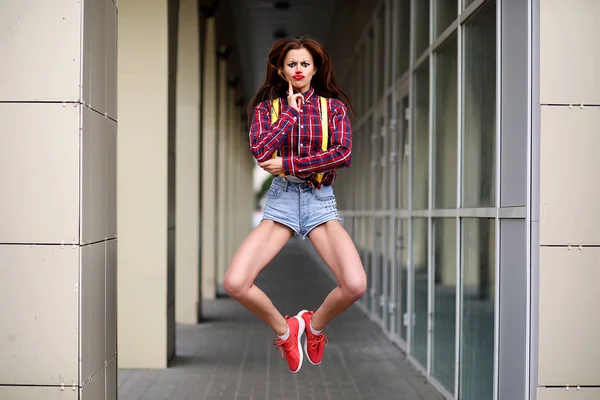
[(295, 100), (274, 166)]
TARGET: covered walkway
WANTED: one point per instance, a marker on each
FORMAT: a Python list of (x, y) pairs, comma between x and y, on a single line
[(230, 356), (127, 184)]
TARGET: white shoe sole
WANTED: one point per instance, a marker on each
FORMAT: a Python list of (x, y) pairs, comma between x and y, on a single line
[(299, 315)]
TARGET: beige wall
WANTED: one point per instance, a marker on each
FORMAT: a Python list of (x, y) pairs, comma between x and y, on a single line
[(58, 256), (569, 198)]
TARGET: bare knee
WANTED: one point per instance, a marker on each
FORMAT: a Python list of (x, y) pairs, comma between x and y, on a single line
[(236, 285), (355, 286)]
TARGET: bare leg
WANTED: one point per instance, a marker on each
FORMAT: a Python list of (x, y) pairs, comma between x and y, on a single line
[(256, 251), (335, 246)]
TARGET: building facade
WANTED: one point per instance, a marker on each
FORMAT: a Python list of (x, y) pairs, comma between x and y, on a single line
[(474, 138)]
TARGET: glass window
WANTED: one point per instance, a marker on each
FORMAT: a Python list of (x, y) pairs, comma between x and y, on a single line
[(382, 168), (359, 76), (467, 3), (479, 111), (446, 12), (360, 232), (369, 150), (445, 124), (478, 283), (403, 154), (444, 298), (402, 277), (362, 163), (403, 42), (370, 55), (420, 296), (391, 271), (380, 51), (391, 139), (420, 146), (389, 32), (422, 28), (369, 267)]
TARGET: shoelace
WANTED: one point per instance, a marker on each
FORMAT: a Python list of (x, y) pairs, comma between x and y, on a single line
[(283, 346), (316, 339)]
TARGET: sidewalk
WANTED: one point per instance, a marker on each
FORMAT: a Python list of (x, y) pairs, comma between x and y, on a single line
[(230, 356)]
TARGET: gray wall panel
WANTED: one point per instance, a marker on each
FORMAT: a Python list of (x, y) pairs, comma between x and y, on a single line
[(513, 306), (514, 116)]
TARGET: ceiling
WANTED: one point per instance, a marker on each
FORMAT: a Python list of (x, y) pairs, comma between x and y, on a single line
[(256, 22)]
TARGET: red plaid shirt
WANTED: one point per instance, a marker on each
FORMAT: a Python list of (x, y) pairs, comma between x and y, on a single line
[(297, 136)]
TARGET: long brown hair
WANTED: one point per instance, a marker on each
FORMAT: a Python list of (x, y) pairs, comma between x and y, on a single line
[(323, 82)]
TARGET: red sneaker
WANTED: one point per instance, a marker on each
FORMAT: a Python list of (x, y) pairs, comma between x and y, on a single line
[(314, 345), (290, 348)]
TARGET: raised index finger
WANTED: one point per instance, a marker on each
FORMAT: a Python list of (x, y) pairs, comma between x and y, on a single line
[(290, 89)]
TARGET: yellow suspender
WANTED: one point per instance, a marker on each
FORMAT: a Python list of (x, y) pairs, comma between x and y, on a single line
[(324, 127)]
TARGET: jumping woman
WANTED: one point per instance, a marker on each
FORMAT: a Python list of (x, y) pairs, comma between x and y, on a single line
[(300, 133)]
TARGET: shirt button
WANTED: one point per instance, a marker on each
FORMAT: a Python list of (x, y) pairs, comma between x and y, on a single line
[(301, 126)]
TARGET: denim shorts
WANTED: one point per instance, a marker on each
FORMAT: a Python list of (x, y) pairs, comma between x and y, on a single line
[(300, 207)]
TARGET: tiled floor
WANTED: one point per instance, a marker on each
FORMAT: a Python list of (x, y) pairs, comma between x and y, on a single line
[(230, 355)]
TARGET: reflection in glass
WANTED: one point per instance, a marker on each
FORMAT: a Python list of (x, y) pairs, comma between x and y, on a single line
[(381, 158), (359, 77), (477, 341), (363, 252), (422, 28), (403, 155), (467, 3), (378, 268), (380, 50), (402, 276), (390, 243), (420, 297), (369, 206), (389, 48), (446, 12), (421, 139), (445, 126), (403, 50), (479, 112), (444, 298), (369, 55)]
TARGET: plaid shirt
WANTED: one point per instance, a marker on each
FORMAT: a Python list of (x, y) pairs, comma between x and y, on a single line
[(297, 136)]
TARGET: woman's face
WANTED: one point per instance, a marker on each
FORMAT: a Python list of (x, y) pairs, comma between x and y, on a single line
[(298, 68)]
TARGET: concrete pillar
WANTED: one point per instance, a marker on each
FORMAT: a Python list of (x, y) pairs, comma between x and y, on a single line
[(249, 203), (237, 181), (245, 197), (187, 277), (146, 315), (231, 134), (209, 164), (58, 172), (221, 172), (569, 238)]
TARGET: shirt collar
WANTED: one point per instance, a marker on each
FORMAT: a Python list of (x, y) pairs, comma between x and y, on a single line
[(308, 94)]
